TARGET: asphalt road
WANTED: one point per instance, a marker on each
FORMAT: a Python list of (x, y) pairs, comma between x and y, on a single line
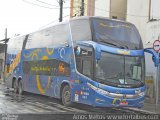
[(31, 103)]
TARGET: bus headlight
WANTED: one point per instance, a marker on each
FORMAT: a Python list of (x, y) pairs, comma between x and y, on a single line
[(141, 94), (104, 92)]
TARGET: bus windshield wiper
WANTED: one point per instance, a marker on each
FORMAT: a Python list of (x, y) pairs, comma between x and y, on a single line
[(135, 79), (102, 81)]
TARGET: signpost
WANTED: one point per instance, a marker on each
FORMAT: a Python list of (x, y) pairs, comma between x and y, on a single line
[(156, 47)]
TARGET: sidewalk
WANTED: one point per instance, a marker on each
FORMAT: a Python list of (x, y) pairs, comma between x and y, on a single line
[(1, 81), (153, 108)]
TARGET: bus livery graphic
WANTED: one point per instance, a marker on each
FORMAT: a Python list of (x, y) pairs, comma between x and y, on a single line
[(49, 51)]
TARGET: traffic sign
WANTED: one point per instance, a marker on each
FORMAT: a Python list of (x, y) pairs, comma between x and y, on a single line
[(156, 45)]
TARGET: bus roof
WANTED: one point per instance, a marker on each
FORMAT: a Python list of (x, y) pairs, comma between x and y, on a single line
[(98, 17), (77, 18)]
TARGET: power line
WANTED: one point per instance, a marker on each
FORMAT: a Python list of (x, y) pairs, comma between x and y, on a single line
[(42, 5), (52, 22), (55, 21), (47, 3), (38, 5)]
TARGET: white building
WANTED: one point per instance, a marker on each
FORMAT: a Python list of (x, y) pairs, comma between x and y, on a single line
[(145, 15)]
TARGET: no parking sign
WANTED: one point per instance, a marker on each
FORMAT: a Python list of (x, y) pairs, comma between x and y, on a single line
[(156, 45)]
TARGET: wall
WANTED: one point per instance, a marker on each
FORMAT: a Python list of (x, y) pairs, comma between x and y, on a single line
[(150, 79), (102, 8), (152, 33), (75, 10), (138, 14), (118, 9)]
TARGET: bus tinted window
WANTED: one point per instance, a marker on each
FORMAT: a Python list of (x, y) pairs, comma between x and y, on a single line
[(115, 32), (15, 44), (46, 67), (56, 35), (81, 30)]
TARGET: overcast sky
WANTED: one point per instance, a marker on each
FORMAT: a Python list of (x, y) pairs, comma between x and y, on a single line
[(21, 16)]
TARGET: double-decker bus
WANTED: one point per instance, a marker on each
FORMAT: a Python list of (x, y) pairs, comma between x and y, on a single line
[(89, 60)]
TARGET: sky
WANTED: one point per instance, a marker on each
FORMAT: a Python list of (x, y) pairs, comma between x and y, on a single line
[(23, 16)]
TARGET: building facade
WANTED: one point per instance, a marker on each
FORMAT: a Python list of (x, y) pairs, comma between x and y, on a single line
[(82, 8), (115, 9)]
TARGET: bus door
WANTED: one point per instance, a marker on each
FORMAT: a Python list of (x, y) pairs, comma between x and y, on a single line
[(84, 65)]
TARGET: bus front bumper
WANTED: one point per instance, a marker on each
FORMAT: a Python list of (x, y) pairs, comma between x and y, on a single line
[(106, 101)]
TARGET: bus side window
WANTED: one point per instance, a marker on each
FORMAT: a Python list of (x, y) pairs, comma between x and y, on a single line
[(86, 66), (84, 61), (78, 63)]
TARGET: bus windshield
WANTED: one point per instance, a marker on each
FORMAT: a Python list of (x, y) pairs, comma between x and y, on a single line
[(120, 70), (116, 33)]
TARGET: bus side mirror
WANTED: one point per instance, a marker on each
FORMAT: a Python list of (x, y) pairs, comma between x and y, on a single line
[(91, 45), (155, 56)]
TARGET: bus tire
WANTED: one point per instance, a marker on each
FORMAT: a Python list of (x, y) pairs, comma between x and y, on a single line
[(15, 86), (66, 96), (20, 87)]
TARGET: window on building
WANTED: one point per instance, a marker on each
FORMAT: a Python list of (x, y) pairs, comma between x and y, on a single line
[(114, 17)]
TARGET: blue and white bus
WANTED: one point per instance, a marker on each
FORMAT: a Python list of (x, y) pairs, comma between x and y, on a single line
[(89, 60)]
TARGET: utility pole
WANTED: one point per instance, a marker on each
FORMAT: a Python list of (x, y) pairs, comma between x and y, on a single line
[(6, 33), (82, 8), (61, 10), (5, 53), (149, 16)]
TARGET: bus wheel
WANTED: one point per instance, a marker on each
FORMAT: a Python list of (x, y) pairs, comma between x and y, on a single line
[(20, 88), (15, 86), (66, 96)]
